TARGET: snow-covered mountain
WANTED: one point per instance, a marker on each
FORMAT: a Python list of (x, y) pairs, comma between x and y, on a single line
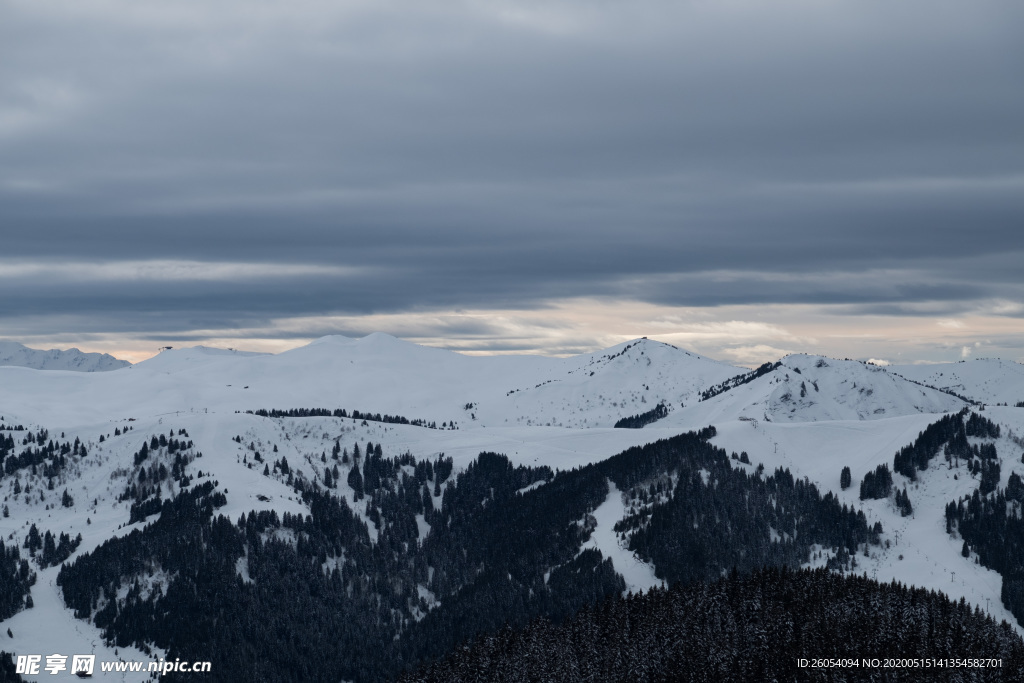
[(985, 380), (809, 415), (803, 388), (13, 353), (380, 373)]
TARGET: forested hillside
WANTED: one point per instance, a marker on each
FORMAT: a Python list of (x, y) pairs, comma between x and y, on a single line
[(264, 592), (755, 627)]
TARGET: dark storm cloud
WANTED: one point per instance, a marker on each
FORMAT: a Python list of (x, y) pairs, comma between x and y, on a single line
[(497, 155)]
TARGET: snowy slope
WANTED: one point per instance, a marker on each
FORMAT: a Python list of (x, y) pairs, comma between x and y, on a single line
[(921, 553), (986, 380), (596, 390), (12, 353), (378, 373), (812, 388)]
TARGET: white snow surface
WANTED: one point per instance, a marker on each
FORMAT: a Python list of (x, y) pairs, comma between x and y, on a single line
[(537, 411), (12, 353), (986, 380), (380, 373), (638, 574)]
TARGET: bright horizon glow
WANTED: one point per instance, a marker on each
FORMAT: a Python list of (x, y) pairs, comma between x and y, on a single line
[(740, 335)]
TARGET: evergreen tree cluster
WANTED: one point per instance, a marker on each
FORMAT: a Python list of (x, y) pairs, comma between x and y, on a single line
[(877, 484), (145, 485), (714, 518), (992, 526), (638, 421), (158, 442), (49, 551), (40, 454), (501, 556), (982, 427), (950, 431), (16, 579), (989, 470), (178, 538), (743, 628), (341, 412), (738, 380), (903, 503)]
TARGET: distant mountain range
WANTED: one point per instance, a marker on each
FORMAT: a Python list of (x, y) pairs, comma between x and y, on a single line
[(13, 353)]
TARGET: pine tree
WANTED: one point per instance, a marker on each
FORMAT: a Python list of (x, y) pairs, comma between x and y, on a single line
[(845, 478), (142, 454), (355, 480)]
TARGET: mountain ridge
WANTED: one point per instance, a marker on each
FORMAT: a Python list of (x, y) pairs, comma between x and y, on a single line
[(19, 355)]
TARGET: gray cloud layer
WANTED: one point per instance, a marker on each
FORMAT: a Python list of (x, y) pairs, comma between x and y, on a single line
[(498, 154)]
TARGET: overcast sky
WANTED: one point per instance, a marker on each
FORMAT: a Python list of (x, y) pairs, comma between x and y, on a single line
[(742, 178)]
